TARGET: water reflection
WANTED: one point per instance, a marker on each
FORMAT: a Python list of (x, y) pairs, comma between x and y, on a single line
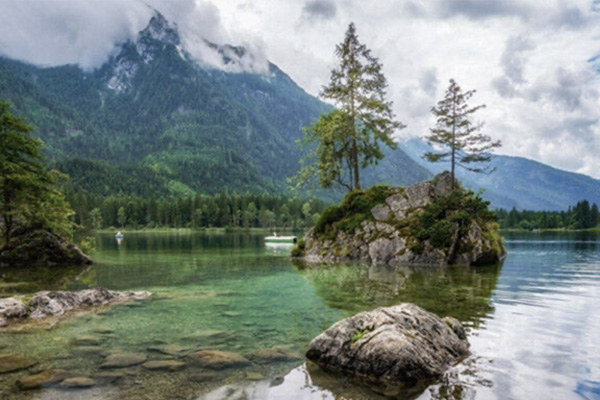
[(462, 292), (533, 322)]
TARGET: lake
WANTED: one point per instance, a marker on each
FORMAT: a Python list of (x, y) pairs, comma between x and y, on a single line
[(532, 321)]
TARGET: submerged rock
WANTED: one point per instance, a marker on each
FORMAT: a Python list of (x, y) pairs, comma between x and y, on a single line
[(400, 345), (427, 223), (164, 365), (12, 363), (122, 360), (56, 303), (41, 248), (216, 359), (78, 382), (42, 379)]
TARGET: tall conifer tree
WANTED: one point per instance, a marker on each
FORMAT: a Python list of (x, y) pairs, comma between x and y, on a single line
[(348, 138), (461, 139)]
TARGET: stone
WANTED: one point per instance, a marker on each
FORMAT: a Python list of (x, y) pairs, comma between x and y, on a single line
[(169, 350), (86, 341), (49, 303), (122, 360), (11, 308), (41, 248), (164, 365), (78, 382), (254, 376), (218, 360), (12, 363), (381, 212), (205, 376), (205, 334), (42, 379), (108, 376), (391, 346), (277, 354), (56, 303)]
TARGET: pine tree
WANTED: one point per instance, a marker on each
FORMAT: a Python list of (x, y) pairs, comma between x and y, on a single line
[(348, 138), (462, 141), (30, 195)]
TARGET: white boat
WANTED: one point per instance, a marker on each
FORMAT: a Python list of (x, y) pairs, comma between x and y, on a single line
[(119, 235), (280, 239)]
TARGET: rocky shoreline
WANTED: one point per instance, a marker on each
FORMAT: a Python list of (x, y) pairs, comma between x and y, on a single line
[(57, 303)]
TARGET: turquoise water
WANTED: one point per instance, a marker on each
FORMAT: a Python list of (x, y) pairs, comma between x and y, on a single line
[(532, 321)]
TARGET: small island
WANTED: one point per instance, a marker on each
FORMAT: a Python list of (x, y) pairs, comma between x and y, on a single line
[(427, 223)]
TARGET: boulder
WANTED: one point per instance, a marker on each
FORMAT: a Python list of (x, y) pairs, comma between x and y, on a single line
[(41, 248), (216, 359), (388, 229), (56, 303), (11, 308), (399, 345), (48, 303)]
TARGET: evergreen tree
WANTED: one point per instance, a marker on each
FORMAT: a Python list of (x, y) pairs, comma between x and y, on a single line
[(348, 139), (122, 216), (462, 141), (96, 218), (30, 195)]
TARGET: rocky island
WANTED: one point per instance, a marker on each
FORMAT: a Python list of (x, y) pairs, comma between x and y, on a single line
[(431, 222)]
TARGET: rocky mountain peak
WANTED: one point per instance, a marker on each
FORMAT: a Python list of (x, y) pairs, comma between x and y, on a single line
[(159, 28)]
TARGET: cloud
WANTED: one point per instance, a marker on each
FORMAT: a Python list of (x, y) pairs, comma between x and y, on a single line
[(319, 9), (531, 62)]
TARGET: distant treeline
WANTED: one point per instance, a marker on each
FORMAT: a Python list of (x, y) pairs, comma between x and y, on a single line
[(582, 216), (196, 212)]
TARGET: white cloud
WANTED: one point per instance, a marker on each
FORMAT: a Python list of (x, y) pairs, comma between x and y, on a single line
[(527, 59)]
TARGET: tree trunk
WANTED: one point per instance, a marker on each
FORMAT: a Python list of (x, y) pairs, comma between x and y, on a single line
[(355, 161)]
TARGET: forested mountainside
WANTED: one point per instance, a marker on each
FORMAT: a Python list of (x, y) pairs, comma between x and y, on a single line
[(154, 121)]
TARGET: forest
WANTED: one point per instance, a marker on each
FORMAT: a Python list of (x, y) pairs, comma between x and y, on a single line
[(581, 216), (196, 212)]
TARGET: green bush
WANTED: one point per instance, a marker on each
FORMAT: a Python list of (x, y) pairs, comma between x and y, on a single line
[(352, 211)]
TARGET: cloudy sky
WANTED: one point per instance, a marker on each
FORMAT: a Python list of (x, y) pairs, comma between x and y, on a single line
[(532, 62)]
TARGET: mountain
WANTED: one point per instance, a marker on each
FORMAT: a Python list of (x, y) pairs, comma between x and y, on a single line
[(519, 182), (155, 121)]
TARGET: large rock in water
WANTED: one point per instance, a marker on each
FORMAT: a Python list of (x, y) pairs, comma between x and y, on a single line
[(41, 248), (391, 230), (396, 346)]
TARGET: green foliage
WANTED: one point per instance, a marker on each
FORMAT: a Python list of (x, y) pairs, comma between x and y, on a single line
[(448, 215), (31, 197), (360, 334), (354, 209), (348, 139), (581, 216), (196, 212), (298, 249), (455, 131)]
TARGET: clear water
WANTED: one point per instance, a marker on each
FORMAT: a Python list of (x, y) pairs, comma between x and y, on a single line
[(532, 321)]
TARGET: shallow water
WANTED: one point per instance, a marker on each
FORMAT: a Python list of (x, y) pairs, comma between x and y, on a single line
[(532, 321)]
